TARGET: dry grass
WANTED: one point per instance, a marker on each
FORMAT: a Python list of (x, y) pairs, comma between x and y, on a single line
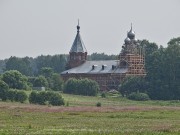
[(82, 117)]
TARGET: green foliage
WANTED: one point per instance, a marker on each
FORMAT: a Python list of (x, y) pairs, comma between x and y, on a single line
[(29, 66), (44, 97), (38, 97), (46, 71), (71, 86), (56, 62), (21, 96), (164, 72), (138, 96), (85, 87), (102, 56), (98, 104), (40, 81), (57, 82), (22, 65), (11, 95), (133, 84), (3, 90), (15, 79), (33, 97), (56, 100), (103, 95)]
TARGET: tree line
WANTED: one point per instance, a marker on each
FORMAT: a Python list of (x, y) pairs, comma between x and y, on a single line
[(161, 64), (163, 72), (32, 66)]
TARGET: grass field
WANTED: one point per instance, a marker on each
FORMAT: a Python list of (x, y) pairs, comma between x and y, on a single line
[(116, 116)]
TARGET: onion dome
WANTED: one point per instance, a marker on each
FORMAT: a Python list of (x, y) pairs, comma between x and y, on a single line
[(131, 33), (127, 40), (135, 40)]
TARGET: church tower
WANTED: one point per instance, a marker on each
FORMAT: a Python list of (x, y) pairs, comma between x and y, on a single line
[(78, 52), (132, 56)]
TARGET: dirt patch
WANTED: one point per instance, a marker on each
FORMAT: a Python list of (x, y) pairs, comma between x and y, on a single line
[(44, 108)]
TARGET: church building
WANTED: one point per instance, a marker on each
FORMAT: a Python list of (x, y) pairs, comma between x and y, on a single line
[(107, 73)]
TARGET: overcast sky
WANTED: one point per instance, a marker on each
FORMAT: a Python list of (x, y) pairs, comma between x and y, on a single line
[(35, 27)]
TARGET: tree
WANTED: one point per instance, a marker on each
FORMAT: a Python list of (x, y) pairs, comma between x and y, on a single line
[(102, 56), (33, 97), (57, 82), (164, 73), (15, 79), (11, 95), (71, 86), (56, 62), (46, 71), (40, 81), (22, 65), (3, 90), (133, 84), (21, 96)]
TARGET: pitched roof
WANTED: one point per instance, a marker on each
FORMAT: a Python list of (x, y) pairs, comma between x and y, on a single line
[(78, 45), (87, 68)]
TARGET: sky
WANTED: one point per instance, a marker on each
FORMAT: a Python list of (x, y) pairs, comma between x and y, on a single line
[(48, 27)]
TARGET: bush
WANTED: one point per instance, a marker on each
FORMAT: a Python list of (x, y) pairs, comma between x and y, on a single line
[(15, 79), (71, 86), (98, 104), (3, 90), (103, 95), (21, 96), (37, 97), (43, 97), (86, 87), (33, 97), (138, 96), (133, 84), (56, 100), (40, 81), (11, 94)]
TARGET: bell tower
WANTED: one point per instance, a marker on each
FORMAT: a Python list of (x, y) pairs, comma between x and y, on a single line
[(78, 52), (132, 56)]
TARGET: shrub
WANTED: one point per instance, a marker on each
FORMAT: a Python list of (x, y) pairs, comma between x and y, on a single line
[(98, 104), (38, 97), (21, 96), (40, 81), (56, 100), (71, 86), (43, 97), (3, 90), (15, 79), (133, 84), (138, 96), (103, 95), (11, 94), (86, 87), (33, 97)]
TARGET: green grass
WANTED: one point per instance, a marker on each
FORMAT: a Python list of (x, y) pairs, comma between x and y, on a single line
[(114, 100), (116, 116)]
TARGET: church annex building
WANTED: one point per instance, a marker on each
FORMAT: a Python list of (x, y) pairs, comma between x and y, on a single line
[(107, 73)]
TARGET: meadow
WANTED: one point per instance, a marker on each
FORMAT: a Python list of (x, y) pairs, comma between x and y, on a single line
[(80, 116)]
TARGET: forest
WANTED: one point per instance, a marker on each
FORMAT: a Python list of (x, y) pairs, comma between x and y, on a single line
[(162, 65)]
